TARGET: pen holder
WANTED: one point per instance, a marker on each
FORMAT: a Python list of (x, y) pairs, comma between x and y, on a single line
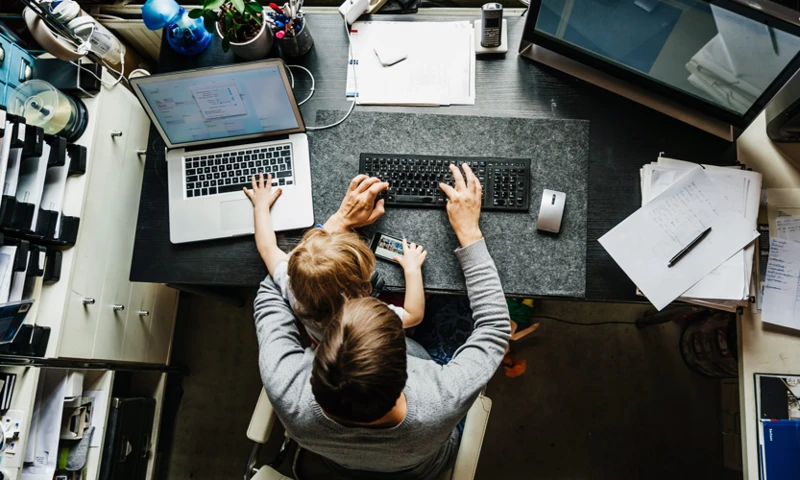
[(298, 44)]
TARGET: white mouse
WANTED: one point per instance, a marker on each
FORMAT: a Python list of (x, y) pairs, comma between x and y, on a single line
[(551, 211)]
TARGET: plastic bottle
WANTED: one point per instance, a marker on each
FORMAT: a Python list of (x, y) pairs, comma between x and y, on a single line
[(97, 37), (185, 35)]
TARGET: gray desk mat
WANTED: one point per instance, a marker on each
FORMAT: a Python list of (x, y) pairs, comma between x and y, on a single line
[(530, 263)]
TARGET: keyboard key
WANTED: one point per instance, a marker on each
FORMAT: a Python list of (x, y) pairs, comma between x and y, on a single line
[(288, 182), (282, 181), (283, 174), (192, 178), (285, 153), (204, 191), (190, 193), (196, 192)]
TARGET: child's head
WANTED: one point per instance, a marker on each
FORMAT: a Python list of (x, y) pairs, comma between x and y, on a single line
[(359, 367), (326, 269)]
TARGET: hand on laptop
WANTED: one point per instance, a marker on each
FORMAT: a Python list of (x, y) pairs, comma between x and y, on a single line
[(464, 205), (358, 207), (262, 195)]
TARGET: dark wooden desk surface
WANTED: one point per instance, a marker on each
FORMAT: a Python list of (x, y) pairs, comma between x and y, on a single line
[(623, 136)]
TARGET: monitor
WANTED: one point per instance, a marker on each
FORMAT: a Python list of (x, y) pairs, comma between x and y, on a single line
[(230, 103), (717, 60)]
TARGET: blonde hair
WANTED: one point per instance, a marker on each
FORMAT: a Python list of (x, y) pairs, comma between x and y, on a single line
[(325, 270)]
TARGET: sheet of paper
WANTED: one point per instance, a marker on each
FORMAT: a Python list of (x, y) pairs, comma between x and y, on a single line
[(740, 189), (18, 280), (788, 228), (46, 423), (98, 415), (645, 241), (7, 253), (55, 183), (439, 68), (5, 150), (32, 172), (782, 285), (12, 173)]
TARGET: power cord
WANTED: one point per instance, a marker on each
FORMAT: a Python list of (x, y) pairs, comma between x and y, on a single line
[(355, 82), (313, 83), (570, 322)]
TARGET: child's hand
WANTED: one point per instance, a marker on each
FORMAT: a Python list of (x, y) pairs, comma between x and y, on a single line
[(262, 194), (413, 256)]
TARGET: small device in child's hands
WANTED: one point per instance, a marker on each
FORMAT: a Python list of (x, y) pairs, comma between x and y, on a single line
[(386, 247)]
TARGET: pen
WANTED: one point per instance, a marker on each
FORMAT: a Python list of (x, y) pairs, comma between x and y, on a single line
[(275, 7), (688, 248)]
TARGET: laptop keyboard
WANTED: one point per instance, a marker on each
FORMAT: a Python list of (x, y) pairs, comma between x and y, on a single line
[(230, 171)]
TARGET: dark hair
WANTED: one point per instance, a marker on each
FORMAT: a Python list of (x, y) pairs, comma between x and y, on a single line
[(360, 366), (326, 269)]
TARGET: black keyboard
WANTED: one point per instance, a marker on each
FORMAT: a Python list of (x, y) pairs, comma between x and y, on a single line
[(230, 171), (414, 179)]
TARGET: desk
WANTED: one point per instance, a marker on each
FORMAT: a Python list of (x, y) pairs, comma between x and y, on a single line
[(762, 349), (623, 136)]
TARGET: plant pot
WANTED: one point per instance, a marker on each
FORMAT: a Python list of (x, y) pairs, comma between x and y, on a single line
[(254, 49)]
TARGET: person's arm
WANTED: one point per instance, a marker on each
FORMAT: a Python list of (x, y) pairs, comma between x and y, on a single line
[(475, 362), (358, 207), (414, 304), (263, 198), (281, 358)]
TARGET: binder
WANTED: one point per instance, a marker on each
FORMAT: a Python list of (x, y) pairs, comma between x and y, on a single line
[(12, 315), (33, 144), (52, 266)]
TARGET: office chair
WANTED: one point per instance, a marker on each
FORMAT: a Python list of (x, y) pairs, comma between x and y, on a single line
[(264, 418)]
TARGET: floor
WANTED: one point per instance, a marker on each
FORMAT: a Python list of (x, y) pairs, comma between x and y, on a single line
[(596, 402)]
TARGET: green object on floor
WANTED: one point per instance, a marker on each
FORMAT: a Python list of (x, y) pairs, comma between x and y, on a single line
[(521, 311)]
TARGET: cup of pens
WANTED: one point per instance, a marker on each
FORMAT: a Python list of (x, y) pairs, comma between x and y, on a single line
[(290, 28)]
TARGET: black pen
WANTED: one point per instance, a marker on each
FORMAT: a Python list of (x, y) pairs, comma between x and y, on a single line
[(688, 248)]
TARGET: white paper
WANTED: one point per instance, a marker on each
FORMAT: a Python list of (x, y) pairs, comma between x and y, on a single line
[(99, 415), (5, 150), (7, 254), (31, 181), (45, 427), (782, 284), (439, 68), (55, 182), (12, 173), (18, 280), (788, 228), (644, 242)]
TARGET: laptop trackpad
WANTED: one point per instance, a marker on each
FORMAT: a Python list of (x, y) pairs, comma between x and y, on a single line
[(236, 214)]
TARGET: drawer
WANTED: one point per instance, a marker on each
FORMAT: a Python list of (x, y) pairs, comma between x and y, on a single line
[(137, 327), (104, 170), (162, 325), (77, 339)]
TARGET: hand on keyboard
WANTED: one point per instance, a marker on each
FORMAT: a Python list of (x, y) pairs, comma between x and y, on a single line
[(359, 207), (262, 195), (464, 205)]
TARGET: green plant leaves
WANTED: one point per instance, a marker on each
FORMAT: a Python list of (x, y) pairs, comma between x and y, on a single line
[(254, 7), (238, 5), (226, 44), (196, 13), (212, 4)]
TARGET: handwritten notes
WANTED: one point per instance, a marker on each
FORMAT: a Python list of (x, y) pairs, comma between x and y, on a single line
[(645, 241), (782, 284), (788, 228)]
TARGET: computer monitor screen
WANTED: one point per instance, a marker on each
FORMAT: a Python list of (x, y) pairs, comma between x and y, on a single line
[(723, 55), (220, 104)]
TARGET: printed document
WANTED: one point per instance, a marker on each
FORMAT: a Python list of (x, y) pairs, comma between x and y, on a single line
[(782, 285)]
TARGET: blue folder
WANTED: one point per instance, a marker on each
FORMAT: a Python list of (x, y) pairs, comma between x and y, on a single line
[(780, 450)]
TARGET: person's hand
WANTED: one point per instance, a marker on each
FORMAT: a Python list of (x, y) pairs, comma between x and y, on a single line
[(358, 207), (412, 258), (262, 194), (464, 205)]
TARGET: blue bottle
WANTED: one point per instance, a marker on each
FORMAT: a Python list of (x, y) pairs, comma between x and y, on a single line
[(185, 35)]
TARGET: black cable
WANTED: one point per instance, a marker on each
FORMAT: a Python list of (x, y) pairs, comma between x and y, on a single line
[(569, 322)]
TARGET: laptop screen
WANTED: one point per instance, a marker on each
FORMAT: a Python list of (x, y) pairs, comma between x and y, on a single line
[(204, 106)]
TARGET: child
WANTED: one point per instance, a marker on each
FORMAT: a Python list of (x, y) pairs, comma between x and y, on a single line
[(327, 268)]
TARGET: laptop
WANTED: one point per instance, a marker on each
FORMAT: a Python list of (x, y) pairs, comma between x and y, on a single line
[(221, 126)]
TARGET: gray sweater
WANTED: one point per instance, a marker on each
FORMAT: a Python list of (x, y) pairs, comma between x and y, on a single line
[(424, 445)]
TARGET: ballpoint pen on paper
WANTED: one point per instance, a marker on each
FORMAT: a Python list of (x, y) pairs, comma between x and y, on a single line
[(688, 248)]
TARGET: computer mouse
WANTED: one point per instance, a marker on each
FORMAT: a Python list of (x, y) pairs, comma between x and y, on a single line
[(551, 211)]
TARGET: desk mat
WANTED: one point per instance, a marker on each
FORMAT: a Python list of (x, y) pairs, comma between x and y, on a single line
[(530, 263)]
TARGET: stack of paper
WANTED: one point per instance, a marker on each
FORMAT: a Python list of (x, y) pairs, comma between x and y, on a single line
[(439, 68), (679, 201), (781, 283)]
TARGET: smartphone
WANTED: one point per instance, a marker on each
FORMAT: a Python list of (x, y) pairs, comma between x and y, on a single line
[(386, 247)]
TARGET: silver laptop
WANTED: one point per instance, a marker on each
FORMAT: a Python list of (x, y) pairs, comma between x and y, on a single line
[(222, 125)]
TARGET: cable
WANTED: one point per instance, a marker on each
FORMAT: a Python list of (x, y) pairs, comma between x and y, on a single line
[(142, 71), (313, 83), (569, 322), (351, 60)]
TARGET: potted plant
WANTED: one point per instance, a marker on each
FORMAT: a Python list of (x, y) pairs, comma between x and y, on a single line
[(239, 24)]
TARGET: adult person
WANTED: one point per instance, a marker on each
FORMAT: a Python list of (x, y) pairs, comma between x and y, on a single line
[(370, 405)]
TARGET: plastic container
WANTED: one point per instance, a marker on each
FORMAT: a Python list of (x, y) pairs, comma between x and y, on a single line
[(297, 45), (98, 38), (43, 105), (187, 36)]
